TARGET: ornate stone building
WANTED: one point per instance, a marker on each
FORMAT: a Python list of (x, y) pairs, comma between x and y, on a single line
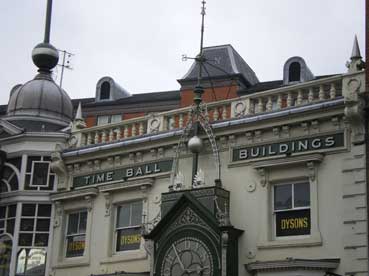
[(279, 186), (226, 176)]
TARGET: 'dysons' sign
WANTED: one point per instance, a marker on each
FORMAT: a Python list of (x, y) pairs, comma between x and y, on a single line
[(289, 147), (123, 173)]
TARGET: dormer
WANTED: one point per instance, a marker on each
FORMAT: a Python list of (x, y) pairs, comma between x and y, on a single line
[(295, 70), (108, 90)]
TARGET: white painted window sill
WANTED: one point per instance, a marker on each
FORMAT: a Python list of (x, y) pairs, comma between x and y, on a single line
[(72, 263), (125, 256), (310, 241)]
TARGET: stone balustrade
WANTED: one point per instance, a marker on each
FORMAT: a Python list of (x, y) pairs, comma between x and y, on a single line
[(267, 101)]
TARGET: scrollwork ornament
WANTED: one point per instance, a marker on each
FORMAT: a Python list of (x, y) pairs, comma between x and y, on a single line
[(263, 176), (354, 107)]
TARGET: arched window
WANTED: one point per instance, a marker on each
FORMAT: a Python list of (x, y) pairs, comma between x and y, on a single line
[(105, 91), (9, 178), (294, 73)]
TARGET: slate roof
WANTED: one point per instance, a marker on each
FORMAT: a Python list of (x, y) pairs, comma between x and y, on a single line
[(135, 98), (222, 61)]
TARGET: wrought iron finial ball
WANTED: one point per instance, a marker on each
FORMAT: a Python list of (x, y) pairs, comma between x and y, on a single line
[(45, 56), (195, 144)]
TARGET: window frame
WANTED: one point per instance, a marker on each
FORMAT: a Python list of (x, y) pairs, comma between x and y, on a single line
[(33, 173), (109, 119), (116, 229), (66, 235), (273, 211), (34, 231), (51, 185), (4, 229)]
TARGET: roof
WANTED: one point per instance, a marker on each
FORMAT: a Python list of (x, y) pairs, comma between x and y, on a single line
[(135, 98), (222, 61)]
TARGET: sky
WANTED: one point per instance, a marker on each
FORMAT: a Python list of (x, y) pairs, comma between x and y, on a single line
[(140, 43)]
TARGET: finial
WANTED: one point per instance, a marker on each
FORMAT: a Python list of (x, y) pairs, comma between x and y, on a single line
[(79, 112), (78, 122), (199, 90), (45, 56), (356, 64), (355, 50)]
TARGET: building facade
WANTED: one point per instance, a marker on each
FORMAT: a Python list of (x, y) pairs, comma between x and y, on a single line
[(280, 187)]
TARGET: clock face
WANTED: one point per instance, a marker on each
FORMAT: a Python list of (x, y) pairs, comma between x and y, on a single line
[(187, 256)]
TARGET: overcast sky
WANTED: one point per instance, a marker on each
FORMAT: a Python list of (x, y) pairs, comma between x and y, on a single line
[(140, 43)]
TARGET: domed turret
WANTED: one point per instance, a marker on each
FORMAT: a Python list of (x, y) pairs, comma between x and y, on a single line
[(41, 98)]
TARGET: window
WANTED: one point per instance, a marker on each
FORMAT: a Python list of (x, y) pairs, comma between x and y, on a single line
[(128, 226), (7, 219), (76, 234), (8, 177), (107, 119), (294, 71), (35, 225), (6, 245), (38, 174), (31, 261), (105, 91), (292, 209)]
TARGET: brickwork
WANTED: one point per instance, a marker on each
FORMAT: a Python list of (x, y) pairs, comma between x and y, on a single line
[(219, 93)]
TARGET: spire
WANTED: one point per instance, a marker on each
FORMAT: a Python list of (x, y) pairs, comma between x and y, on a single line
[(79, 112), (355, 50), (78, 122), (356, 63)]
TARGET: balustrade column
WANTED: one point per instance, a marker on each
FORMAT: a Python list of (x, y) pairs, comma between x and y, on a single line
[(311, 95), (103, 136), (141, 129), (111, 134), (321, 93), (332, 91), (299, 97), (125, 132), (224, 112), (279, 102), (134, 130), (180, 121), (119, 133), (89, 138), (260, 105), (269, 105), (289, 99), (215, 114)]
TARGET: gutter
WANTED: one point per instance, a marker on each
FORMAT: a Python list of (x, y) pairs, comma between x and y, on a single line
[(173, 133)]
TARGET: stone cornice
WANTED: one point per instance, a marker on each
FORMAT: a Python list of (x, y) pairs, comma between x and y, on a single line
[(293, 264), (145, 182), (289, 160), (67, 195)]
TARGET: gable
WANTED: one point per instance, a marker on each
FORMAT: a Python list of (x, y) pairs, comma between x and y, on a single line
[(186, 212)]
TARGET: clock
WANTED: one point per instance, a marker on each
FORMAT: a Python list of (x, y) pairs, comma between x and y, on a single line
[(186, 256)]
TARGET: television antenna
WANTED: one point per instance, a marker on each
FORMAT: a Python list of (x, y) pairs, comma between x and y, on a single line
[(65, 64)]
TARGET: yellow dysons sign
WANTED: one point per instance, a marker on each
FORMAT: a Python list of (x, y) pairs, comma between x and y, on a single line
[(130, 239), (294, 223)]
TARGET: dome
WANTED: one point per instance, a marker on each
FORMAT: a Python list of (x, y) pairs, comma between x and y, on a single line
[(40, 98)]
